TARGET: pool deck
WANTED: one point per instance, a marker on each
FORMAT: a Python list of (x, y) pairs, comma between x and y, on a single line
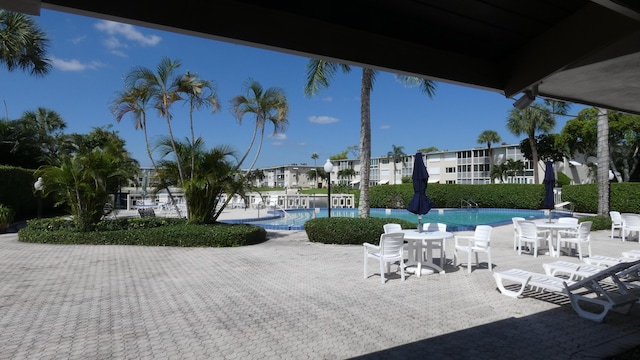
[(286, 298)]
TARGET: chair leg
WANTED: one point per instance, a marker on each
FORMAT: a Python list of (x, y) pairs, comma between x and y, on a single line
[(469, 262), (489, 260), (519, 246), (382, 271), (402, 269)]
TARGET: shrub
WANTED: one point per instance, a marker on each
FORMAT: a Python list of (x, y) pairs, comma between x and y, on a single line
[(143, 231), (599, 222), (349, 231)]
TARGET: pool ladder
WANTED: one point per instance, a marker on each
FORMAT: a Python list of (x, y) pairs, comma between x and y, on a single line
[(468, 204)]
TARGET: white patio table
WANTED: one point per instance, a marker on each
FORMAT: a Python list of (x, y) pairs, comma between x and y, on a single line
[(553, 228), (417, 238)]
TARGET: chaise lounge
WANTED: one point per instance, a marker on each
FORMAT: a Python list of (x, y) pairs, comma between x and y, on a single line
[(611, 288)]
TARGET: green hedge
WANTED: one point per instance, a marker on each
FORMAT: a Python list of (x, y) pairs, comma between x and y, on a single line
[(143, 231), (349, 231), (511, 196), (625, 197)]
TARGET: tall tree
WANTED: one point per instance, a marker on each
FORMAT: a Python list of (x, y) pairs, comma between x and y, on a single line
[(162, 87), (539, 117), (268, 105), (46, 125), (396, 155), (134, 101), (319, 75), (23, 45), (603, 163), (315, 157), (489, 137), (200, 94)]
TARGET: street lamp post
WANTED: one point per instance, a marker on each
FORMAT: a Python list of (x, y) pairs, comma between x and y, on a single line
[(328, 167), (39, 186)]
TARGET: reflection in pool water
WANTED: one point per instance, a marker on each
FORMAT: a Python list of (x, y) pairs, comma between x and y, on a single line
[(456, 219)]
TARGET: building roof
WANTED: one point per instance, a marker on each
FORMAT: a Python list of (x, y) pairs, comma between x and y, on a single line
[(577, 50)]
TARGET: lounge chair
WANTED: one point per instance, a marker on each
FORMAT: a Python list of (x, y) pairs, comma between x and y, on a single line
[(601, 292), (606, 290), (528, 279)]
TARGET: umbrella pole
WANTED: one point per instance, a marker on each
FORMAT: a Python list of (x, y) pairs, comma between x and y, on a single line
[(419, 221)]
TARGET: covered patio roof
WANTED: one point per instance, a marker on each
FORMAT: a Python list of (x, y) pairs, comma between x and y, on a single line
[(583, 51)]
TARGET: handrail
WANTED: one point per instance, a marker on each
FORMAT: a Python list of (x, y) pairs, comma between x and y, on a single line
[(468, 203)]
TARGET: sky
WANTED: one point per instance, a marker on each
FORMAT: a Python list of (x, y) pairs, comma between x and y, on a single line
[(91, 58)]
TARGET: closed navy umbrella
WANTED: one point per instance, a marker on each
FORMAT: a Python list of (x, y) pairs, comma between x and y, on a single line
[(420, 204), (549, 183)]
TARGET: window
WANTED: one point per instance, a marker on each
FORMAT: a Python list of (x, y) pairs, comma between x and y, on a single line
[(450, 170)]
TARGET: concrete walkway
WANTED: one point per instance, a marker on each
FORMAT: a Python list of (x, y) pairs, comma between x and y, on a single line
[(287, 298)]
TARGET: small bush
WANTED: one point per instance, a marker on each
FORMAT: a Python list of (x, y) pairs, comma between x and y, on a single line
[(349, 231), (599, 222)]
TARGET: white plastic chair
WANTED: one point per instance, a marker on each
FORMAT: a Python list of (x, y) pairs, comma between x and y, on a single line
[(577, 237), (440, 245), (630, 223), (391, 228), (616, 222), (568, 220), (390, 250), (516, 231), (480, 242), (529, 234)]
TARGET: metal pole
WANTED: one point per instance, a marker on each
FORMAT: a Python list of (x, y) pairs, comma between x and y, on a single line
[(39, 204), (329, 196)]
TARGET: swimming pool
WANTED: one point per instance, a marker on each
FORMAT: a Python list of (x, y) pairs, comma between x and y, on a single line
[(456, 219)]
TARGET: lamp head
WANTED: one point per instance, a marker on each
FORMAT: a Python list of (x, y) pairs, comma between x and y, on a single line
[(328, 166), (39, 184)]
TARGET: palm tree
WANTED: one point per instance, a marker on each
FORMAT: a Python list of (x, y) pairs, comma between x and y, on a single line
[(347, 173), (214, 176), (134, 101), (83, 181), (46, 121), (603, 162), (200, 94), (46, 126), (266, 105), (23, 45), (488, 137), (315, 157), (539, 117), (396, 155), (162, 87), (319, 74)]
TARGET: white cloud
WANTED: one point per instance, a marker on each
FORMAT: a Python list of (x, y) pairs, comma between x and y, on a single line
[(74, 65), (323, 119), (128, 32), (327, 99), (78, 40), (384, 127), (279, 136)]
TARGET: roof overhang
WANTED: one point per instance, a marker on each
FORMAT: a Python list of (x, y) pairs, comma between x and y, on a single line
[(583, 51)]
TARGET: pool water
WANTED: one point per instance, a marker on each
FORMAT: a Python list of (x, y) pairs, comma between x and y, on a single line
[(456, 219)]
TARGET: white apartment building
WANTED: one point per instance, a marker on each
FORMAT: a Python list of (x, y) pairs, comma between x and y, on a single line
[(468, 166)]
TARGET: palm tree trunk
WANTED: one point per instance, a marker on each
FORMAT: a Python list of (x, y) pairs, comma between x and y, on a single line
[(603, 162), (365, 143), (534, 157)]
